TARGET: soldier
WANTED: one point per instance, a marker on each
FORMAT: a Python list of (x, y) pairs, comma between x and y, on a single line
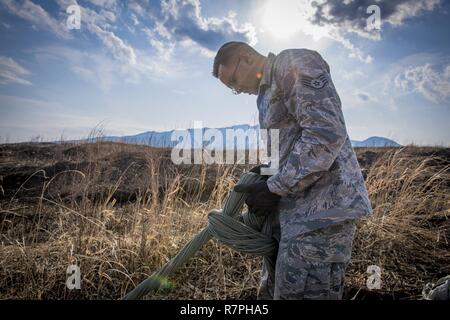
[(318, 192)]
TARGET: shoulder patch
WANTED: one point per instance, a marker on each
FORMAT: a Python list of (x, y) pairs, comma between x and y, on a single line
[(315, 83)]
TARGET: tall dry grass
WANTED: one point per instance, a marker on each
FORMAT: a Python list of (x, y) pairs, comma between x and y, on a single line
[(409, 233), (76, 220), (78, 217)]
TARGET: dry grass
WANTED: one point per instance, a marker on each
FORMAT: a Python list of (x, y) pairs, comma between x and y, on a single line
[(408, 236), (121, 211)]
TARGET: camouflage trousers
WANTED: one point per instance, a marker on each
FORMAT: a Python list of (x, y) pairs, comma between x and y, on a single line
[(309, 266)]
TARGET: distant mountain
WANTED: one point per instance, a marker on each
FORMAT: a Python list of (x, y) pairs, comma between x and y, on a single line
[(164, 139), (195, 136), (375, 142)]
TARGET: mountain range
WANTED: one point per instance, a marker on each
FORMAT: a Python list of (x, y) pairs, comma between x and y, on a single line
[(194, 137)]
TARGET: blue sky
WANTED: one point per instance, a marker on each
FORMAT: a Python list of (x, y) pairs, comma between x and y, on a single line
[(136, 66)]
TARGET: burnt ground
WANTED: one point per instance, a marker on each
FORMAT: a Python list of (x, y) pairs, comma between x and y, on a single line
[(123, 172), (25, 168)]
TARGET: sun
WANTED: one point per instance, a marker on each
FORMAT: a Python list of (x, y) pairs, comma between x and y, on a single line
[(282, 18), (285, 18)]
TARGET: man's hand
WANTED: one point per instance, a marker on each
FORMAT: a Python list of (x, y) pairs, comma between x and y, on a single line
[(260, 200)]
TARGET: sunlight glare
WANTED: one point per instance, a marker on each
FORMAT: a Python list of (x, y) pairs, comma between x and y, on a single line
[(284, 18)]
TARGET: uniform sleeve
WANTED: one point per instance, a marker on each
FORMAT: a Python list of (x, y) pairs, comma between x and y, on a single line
[(311, 99)]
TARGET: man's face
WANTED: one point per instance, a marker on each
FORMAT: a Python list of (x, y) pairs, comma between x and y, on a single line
[(240, 75)]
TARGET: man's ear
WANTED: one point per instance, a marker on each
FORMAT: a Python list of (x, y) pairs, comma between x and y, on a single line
[(247, 57)]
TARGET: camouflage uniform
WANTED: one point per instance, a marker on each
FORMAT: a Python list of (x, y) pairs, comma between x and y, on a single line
[(319, 178)]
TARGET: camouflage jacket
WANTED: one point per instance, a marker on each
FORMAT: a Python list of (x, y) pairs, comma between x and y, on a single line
[(319, 177)]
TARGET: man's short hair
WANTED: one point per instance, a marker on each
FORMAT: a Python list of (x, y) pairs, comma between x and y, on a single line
[(227, 51)]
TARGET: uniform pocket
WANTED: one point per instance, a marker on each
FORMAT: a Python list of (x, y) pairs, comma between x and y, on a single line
[(326, 245)]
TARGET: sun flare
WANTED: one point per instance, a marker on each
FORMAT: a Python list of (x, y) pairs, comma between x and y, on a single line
[(282, 20)]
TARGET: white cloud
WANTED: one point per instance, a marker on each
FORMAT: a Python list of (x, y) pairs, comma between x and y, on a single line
[(99, 23), (120, 50), (165, 49), (118, 62), (408, 9), (425, 74), (103, 71), (181, 21), (352, 75), (177, 25), (109, 4), (135, 19), (136, 8), (337, 19), (432, 83), (194, 48), (12, 73), (35, 14), (94, 68), (355, 52)]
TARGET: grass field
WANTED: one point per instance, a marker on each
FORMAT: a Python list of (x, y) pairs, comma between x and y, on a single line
[(121, 211)]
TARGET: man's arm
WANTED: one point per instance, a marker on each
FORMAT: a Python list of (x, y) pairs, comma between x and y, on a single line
[(312, 100)]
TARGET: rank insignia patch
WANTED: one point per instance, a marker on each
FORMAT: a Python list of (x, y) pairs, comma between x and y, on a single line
[(315, 83)]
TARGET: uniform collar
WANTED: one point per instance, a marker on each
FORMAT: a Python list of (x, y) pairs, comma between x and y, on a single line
[(266, 79)]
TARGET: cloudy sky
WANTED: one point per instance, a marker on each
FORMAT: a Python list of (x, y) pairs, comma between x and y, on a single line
[(142, 65)]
